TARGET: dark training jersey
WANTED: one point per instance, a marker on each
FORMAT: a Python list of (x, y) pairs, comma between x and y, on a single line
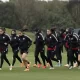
[(4, 41), (14, 41), (60, 39), (79, 43), (24, 42), (71, 41), (51, 41), (39, 40)]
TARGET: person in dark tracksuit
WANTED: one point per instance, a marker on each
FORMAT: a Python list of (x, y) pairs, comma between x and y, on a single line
[(66, 48), (4, 41), (24, 44), (79, 50), (39, 48), (6, 52), (14, 42), (72, 42), (51, 42), (60, 45)]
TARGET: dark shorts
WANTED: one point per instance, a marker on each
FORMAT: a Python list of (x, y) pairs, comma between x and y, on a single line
[(40, 50), (15, 51), (51, 53), (23, 51), (4, 51)]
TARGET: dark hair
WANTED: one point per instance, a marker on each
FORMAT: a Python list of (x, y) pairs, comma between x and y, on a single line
[(53, 29), (79, 32), (14, 30), (37, 30), (62, 30), (71, 30), (3, 29)]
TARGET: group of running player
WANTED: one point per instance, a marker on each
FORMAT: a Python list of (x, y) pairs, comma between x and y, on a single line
[(18, 43), (54, 40)]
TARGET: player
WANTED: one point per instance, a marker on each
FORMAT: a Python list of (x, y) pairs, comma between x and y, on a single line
[(4, 41), (14, 42), (39, 48), (24, 44), (51, 42), (59, 52), (79, 50), (72, 42)]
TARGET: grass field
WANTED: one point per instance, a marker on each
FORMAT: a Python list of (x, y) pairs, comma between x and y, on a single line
[(18, 73)]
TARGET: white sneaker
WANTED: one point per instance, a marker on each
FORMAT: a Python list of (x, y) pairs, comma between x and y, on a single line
[(0, 69), (59, 63), (51, 68), (10, 68), (70, 67), (67, 65)]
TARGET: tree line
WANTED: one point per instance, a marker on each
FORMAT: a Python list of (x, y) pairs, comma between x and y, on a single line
[(32, 14)]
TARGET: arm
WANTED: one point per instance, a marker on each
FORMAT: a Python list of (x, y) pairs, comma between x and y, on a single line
[(29, 41), (7, 41)]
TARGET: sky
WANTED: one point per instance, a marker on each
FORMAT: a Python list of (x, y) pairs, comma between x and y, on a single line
[(45, 0), (60, 0), (4, 0)]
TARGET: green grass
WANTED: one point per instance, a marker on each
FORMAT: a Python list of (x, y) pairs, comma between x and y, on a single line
[(17, 73)]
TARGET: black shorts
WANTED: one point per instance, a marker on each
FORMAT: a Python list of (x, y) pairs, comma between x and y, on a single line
[(15, 49), (5, 51), (23, 51), (51, 53)]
